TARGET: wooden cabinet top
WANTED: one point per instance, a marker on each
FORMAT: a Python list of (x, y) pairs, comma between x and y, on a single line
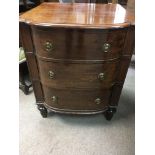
[(81, 15)]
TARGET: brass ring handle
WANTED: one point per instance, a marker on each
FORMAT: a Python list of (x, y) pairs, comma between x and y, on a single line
[(48, 46), (97, 100), (51, 74), (54, 99), (101, 76), (106, 47)]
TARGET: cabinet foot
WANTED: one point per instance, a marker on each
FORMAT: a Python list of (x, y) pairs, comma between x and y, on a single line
[(26, 90), (43, 110), (109, 113)]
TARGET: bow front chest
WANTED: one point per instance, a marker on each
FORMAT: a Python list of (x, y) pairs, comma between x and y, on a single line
[(78, 55)]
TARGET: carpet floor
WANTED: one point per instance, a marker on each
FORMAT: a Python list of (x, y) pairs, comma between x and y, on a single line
[(79, 135)]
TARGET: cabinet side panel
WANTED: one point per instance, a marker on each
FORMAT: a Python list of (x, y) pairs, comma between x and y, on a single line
[(117, 88), (38, 91), (27, 43), (123, 68), (130, 42), (25, 35), (31, 61)]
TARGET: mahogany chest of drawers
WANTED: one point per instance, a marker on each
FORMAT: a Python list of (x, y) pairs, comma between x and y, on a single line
[(78, 55)]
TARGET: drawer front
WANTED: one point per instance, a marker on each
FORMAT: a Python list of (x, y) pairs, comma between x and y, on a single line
[(76, 99), (74, 75), (78, 44)]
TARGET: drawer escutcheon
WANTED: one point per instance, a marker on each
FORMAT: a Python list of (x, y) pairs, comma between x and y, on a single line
[(51, 74), (97, 100), (48, 46), (106, 47), (101, 76), (54, 99)]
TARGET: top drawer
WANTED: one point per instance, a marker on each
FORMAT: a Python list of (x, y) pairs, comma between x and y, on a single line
[(78, 44)]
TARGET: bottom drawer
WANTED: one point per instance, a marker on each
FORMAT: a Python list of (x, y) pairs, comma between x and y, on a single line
[(76, 99)]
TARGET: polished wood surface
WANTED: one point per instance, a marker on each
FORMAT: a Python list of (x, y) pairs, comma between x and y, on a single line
[(78, 44), (78, 75), (84, 15), (75, 100), (65, 72), (27, 43)]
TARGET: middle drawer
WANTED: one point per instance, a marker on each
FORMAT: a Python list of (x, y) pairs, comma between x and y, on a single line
[(77, 75)]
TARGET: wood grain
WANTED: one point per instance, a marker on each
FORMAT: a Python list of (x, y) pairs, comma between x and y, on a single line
[(78, 76), (76, 99), (81, 15), (78, 44), (77, 32)]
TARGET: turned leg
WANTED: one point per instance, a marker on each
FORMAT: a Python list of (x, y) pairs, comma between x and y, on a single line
[(26, 90), (43, 110), (109, 113)]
